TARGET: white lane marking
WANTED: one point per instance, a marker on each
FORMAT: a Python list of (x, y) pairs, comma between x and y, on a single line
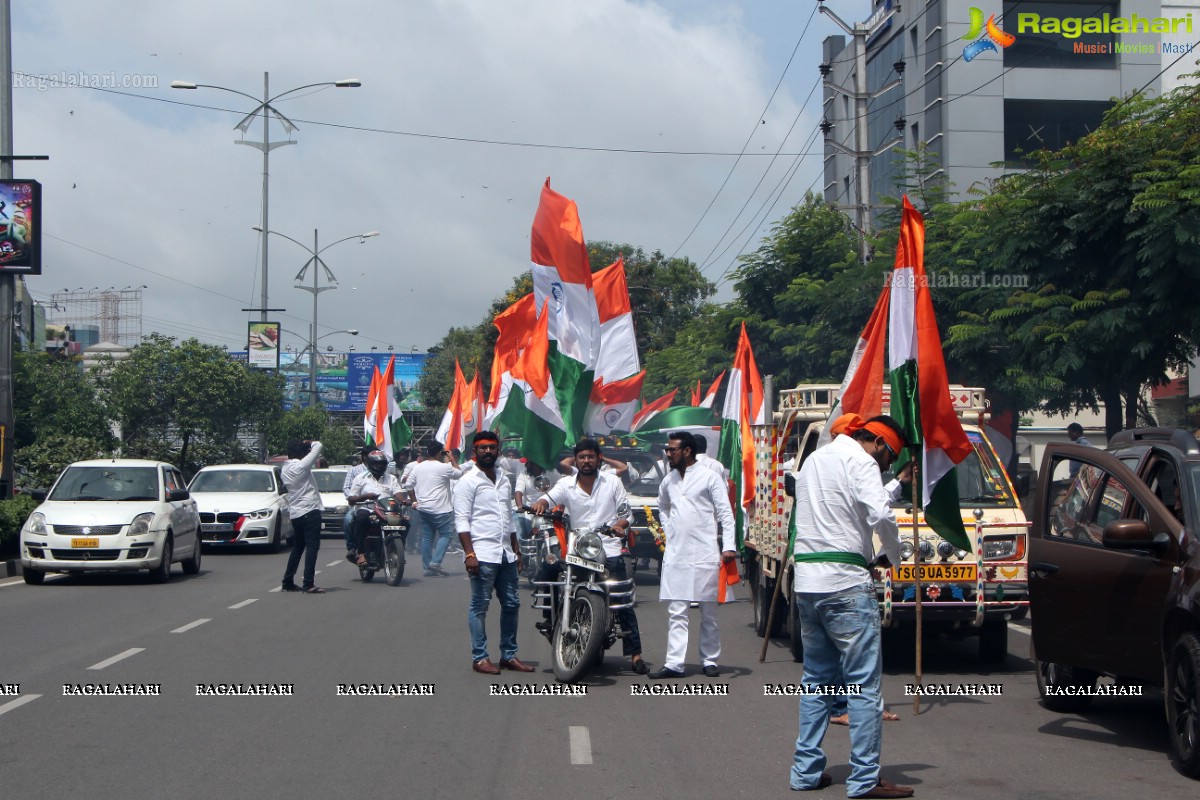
[(20, 701), (108, 662), (333, 563), (13, 583), (1021, 629), (244, 603), (581, 745), (276, 589), (317, 572), (191, 625)]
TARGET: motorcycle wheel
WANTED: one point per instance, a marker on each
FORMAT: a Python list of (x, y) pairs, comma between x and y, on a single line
[(393, 561), (575, 652)]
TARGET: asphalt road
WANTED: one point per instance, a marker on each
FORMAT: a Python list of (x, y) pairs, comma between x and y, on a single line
[(226, 626)]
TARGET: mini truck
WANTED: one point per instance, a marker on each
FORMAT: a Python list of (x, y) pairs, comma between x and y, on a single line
[(963, 593)]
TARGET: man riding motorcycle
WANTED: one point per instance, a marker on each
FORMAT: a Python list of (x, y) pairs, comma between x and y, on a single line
[(593, 499), (370, 485)]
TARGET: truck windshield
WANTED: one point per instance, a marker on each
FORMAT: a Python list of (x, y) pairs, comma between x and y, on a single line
[(981, 478)]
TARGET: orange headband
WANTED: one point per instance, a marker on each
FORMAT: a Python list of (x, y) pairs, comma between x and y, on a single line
[(847, 424), (887, 434)]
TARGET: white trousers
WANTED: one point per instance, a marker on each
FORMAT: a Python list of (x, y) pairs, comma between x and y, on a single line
[(677, 634)]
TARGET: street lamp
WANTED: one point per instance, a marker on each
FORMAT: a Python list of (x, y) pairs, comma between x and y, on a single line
[(264, 106), (316, 261)]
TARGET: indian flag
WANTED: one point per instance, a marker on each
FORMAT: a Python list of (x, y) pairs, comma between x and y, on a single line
[(862, 389), (397, 432), (450, 431), (920, 400), (743, 407), (710, 398), (375, 412), (562, 280), (514, 326), (618, 383), (531, 406)]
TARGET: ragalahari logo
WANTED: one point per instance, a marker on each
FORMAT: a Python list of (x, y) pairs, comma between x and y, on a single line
[(992, 35)]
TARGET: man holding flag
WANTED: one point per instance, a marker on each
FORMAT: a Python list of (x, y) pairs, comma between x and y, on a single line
[(840, 503)]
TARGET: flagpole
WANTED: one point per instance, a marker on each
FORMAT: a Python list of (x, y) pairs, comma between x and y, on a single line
[(916, 534)]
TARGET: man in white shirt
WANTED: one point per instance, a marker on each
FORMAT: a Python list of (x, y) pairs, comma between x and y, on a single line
[(430, 484), (304, 506), (840, 503), (376, 482), (415, 528), (592, 499), (693, 504), (484, 521)]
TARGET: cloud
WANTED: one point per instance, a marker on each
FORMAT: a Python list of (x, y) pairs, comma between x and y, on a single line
[(162, 186)]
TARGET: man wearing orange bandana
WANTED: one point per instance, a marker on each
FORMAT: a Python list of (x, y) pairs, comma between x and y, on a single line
[(840, 503)]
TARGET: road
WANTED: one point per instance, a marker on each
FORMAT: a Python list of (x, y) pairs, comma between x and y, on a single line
[(226, 626)]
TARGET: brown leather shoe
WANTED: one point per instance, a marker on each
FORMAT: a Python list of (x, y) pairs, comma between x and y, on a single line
[(515, 664), (486, 666), (887, 789)]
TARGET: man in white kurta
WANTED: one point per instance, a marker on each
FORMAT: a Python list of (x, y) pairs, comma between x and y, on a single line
[(693, 503)]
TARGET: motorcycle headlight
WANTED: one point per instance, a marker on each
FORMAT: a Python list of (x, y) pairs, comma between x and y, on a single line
[(262, 513), (589, 546), (140, 524), (36, 524)]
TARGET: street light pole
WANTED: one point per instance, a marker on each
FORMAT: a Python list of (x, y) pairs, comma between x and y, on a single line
[(266, 146)]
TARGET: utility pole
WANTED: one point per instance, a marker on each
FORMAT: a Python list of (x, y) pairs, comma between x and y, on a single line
[(862, 153)]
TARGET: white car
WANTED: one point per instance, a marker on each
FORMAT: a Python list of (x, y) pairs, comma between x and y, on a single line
[(242, 504), (113, 515), (329, 484)]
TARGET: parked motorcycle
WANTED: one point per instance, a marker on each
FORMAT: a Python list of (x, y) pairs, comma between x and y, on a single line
[(387, 532), (583, 601)]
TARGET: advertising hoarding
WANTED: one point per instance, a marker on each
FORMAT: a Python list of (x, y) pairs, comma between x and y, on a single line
[(21, 227)]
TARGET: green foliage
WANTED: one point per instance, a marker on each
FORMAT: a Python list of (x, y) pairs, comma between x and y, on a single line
[(312, 422), (13, 514), (55, 396), (40, 463), (188, 403)]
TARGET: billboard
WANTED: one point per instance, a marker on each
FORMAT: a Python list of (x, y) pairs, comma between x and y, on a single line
[(262, 344), (343, 379), (21, 227)]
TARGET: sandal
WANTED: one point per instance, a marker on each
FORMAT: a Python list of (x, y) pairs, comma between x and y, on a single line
[(314, 590), (890, 717)]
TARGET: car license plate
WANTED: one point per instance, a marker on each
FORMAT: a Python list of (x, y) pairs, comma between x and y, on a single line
[(218, 527), (583, 562), (85, 543), (938, 572)]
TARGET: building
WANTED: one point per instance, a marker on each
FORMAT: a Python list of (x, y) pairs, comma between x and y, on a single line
[(975, 96)]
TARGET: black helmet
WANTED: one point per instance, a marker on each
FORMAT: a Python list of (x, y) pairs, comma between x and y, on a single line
[(377, 463)]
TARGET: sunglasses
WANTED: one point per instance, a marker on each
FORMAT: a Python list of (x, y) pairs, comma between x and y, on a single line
[(671, 449), (888, 447)]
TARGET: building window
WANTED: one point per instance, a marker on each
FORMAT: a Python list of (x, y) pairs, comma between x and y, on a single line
[(1031, 125), (1053, 50)]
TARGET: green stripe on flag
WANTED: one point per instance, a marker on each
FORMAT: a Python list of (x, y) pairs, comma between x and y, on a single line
[(572, 387)]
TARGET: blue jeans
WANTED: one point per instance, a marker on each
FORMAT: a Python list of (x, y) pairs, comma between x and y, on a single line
[(441, 525), (840, 631), (348, 528), (504, 580)]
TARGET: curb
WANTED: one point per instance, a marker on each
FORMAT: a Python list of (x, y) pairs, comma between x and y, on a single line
[(12, 568)]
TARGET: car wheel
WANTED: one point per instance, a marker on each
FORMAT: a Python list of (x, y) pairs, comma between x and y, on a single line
[(1183, 704), (191, 566), (273, 547), (993, 641), (162, 573), (1052, 677), (33, 577)]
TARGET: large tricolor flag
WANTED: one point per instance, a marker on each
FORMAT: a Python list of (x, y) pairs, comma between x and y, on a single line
[(450, 432), (397, 432), (743, 407), (642, 418), (375, 411), (920, 400), (515, 326), (618, 383), (710, 397), (562, 279), (862, 389), (531, 404)]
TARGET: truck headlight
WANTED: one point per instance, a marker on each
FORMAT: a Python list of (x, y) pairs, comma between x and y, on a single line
[(906, 550), (140, 524), (589, 546), (926, 550), (36, 524), (945, 549)]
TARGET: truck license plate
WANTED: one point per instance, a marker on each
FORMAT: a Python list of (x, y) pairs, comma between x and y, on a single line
[(938, 572), (85, 543)]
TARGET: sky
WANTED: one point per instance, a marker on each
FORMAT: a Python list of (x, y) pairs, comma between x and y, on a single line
[(145, 187)]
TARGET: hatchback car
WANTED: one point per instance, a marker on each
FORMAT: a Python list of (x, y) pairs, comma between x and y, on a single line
[(242, 504), (113, 515), (329, 484), (1114, 575)]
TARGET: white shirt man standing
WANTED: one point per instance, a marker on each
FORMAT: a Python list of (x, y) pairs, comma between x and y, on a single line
[(430, 484), (304, 507), (694, 505)]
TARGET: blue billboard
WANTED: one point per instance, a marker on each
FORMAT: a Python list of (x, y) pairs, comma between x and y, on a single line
[(343, 379)]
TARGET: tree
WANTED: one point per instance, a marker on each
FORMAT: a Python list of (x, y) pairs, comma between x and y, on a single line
[(311, 422), (189, 404), (54, 395)]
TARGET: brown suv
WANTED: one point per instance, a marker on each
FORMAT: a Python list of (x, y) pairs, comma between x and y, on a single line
[(1114, 575)]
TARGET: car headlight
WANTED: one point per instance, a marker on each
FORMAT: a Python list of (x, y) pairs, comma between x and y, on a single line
[(36, 524), (589, 546), (140, 524), (341, 509), (906, 550), (262, 513)]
